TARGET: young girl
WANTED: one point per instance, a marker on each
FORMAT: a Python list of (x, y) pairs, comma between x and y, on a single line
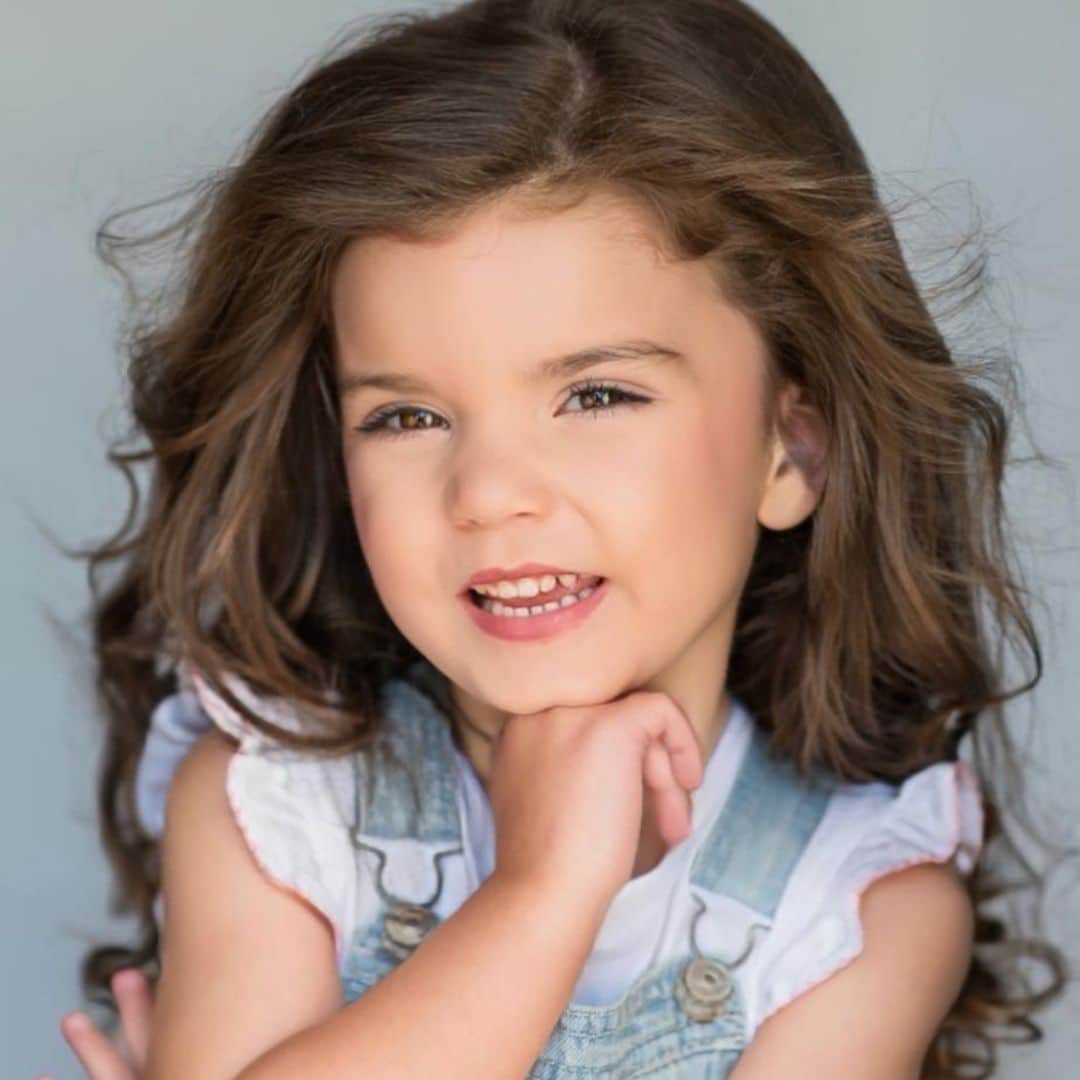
[(550, 641)]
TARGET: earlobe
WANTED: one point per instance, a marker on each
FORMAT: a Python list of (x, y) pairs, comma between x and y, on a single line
[(788, 499), (796, 475)]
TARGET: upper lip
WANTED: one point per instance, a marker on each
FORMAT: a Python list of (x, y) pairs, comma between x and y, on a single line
[(497, 573)]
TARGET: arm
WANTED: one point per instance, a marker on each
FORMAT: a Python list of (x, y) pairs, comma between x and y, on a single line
[(477, 999), (875, 1018), (224, 995)]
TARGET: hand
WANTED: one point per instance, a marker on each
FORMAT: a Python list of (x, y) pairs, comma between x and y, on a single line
[(99, 1057), (569, 786)]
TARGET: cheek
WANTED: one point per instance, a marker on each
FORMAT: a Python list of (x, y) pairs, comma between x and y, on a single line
[(731, 450), (392, 541), (389, 535), (360, 500), (700, 503), (379, 509), (707, 474), (395, 513)]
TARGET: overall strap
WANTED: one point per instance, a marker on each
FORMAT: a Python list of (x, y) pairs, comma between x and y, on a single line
[(406, 818), (406, 787), (762, 830)]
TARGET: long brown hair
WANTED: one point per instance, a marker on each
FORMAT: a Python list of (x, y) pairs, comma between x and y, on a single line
[(870, 639)]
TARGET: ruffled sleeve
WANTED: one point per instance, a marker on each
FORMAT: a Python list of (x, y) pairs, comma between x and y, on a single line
[(935, 815), (293, 809), (175, 726), (229, 720)]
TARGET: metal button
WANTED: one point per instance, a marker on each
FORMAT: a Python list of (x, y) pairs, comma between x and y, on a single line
[(703, 989), (405, 927)]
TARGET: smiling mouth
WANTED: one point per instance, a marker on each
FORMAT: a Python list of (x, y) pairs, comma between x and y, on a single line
[(553, 596)]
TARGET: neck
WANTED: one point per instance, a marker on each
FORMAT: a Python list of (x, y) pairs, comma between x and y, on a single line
[(475, 738), (694, 681)]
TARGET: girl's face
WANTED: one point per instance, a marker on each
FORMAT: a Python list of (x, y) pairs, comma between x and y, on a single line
[(493, 460)]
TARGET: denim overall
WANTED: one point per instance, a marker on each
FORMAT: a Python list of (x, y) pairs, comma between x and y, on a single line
[(684, 1018)]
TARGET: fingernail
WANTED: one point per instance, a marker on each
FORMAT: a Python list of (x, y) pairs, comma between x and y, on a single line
[(77, 1021)]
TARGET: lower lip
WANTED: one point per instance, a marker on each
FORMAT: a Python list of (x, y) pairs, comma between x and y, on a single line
[(532, 627)]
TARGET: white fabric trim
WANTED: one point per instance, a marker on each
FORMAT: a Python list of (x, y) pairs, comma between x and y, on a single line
[(295, 813)]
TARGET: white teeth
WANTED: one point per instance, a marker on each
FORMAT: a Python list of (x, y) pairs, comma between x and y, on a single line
[(495, 608), (527, 587)]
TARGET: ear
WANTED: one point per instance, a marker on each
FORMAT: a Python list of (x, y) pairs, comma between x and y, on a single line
[(797, 469)]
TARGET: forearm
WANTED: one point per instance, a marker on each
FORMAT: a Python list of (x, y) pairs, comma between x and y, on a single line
[(478, 999)]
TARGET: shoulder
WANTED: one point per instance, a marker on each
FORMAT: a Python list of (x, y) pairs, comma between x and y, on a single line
[(884, 1007), (213, 875), (197, 787), (282, 811), (875, 923), (918, 931), (204, 766), (221, 911), (200, 830)]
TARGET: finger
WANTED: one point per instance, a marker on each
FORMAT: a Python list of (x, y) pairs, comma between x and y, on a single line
[(674, 815), (98, 1056), (678, 736), (656, 769), (132, 991), (669, 802)]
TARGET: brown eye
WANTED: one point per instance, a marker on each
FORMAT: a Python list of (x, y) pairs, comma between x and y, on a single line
[(603, 394), (378, 423), (605, 398)]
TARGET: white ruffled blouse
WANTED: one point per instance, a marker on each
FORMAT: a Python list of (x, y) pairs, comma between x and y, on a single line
[(295, 813)]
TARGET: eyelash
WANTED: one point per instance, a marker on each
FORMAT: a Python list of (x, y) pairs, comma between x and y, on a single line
[(376, 423)]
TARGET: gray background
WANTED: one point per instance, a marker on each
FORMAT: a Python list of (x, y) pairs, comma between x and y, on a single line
[(118, 102)]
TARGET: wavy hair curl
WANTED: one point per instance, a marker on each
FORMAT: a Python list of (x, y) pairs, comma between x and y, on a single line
[(870, 639)]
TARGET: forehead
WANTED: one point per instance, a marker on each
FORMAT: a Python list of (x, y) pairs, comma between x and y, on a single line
[(505, 281)]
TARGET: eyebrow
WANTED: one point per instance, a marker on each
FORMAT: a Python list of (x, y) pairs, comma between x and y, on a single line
[(551, 368)]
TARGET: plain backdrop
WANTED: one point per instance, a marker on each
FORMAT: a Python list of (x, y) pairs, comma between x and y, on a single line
[(969, 102)]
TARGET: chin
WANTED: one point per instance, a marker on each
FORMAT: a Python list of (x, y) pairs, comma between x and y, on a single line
[(549, 694)]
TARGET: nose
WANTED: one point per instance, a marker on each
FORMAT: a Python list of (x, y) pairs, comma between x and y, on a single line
[(492, 480)]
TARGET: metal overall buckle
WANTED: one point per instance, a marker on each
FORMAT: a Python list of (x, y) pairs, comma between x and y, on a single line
[(705, 984)]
